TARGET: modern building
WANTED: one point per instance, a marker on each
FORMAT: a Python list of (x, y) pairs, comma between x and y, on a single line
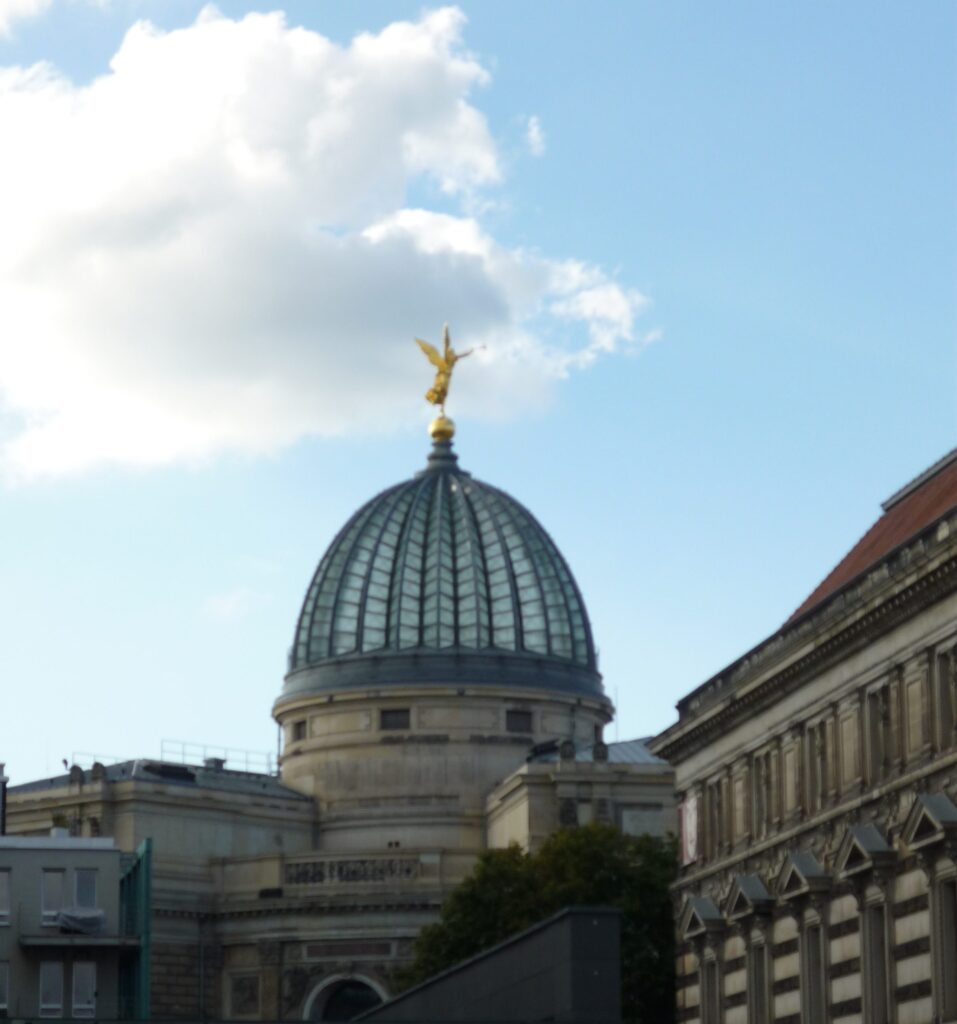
[(73, 934), (442, 696), (817, 779)]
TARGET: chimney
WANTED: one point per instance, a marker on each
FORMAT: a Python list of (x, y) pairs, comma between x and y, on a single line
[(3, 799)]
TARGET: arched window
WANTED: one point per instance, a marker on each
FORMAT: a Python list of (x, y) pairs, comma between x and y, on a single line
[(342, 998)]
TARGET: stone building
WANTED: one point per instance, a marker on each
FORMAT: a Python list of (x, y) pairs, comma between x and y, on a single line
[(817, 780), (442, 696)]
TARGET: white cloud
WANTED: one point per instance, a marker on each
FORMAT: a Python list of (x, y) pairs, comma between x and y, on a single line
[(535, 137), (209, 248), (19, 10)]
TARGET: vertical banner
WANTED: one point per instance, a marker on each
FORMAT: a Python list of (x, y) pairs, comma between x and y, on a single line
[(689, 829)]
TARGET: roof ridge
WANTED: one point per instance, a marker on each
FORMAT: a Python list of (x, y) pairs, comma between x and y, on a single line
[(919, 480)]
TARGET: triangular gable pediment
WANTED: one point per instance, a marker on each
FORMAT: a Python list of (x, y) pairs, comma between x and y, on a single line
[(740, 907), (748, 895), (699, 916), (862, 849), (801, 874), (931, 819), (791, 882)]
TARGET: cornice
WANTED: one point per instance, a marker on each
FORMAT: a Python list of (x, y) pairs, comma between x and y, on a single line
[(898, 607)]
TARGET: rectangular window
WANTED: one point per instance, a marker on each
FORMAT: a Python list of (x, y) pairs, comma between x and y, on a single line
[(874, 976), (710, 993), (757, 984), (298, 730), (875, 738), (4, 897), (4, 990), (945, 699), (85, 888), (813, 1005), (84, 988), (51, 988), (51, 895), (947, 954), (518, 721), (850, 763), (394, 718), (790, 779)]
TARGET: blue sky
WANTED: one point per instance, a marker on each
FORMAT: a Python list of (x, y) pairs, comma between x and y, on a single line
[(717, 289)]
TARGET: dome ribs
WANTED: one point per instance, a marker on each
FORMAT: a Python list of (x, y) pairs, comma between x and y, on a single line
[(320, 625), (344, 631), (474, 565), (366, 631), (517, 641), (397, 606), (432, 600), (527, 587), (532, 550)]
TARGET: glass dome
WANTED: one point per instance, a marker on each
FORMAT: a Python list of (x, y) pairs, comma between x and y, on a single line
[(443, 578)]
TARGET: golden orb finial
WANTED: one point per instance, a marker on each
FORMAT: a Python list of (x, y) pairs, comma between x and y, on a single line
[(442, 428)]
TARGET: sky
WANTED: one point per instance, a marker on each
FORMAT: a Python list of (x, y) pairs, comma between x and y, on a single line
[(710, 252)]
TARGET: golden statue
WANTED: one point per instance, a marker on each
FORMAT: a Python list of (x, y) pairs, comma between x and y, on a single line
[(443, 364)]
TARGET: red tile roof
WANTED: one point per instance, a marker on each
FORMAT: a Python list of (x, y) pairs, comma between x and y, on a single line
[(914, 507)]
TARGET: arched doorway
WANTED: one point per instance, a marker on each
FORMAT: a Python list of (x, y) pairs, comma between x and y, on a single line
[(342, 997)]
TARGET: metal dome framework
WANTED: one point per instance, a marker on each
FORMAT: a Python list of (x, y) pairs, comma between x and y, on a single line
[(445, 564)]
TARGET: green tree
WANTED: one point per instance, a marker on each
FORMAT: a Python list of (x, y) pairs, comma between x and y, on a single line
[(595, 865)]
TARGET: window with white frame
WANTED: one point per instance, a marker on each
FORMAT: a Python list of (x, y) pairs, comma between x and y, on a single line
[(84, 894), (84, 988), (51, 894), (4, 897), (4, 990), (51, 988)]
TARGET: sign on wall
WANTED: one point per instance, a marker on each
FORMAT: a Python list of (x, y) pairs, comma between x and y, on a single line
[(689, 829)]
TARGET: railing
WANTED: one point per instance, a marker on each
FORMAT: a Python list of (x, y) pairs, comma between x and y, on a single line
[(185, 752)]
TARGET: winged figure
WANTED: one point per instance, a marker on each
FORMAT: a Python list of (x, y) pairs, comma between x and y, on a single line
[(443, 363)]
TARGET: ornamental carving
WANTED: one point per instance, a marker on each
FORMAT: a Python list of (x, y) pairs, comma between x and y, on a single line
[(324, 872)]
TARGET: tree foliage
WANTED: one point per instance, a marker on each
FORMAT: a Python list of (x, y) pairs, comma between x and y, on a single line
[(594, 865)]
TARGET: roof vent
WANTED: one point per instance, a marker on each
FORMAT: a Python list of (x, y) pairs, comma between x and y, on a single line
[(214, 764)]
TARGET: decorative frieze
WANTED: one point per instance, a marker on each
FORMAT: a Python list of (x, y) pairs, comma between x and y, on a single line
[(352, 871)]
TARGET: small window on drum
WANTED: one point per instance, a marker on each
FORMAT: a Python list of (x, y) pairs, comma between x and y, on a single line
[(518, 721), (299, 730), (394, 718)]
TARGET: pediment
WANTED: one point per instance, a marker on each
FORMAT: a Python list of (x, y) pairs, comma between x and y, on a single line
[(932, 819), (802, 873), (862, 849), (699, 916), (748, 895)]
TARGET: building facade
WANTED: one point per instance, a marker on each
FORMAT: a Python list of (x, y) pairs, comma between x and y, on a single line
[(442, 696), (71, 935), (817, 787)]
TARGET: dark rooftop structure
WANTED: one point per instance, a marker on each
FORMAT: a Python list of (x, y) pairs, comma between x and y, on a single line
[(565, 968)]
